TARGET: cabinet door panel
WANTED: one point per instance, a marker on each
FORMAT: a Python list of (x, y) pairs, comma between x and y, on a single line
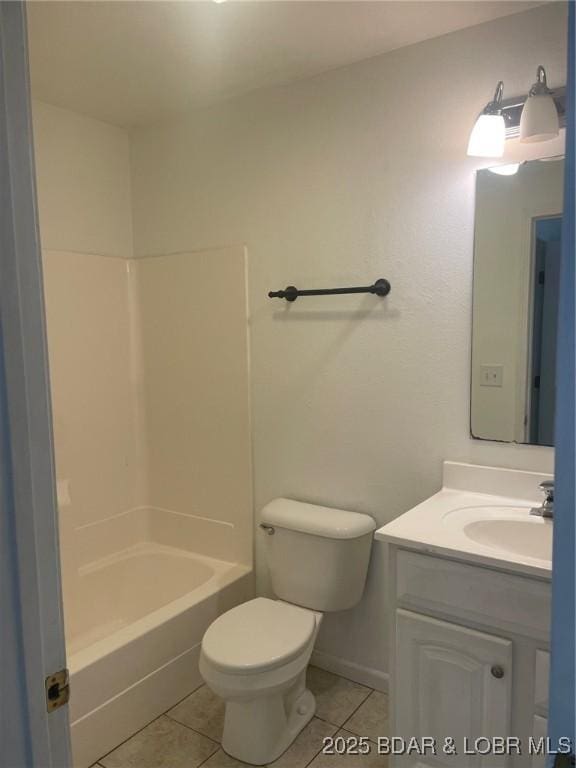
[(448, 685), (542, 675), (539, 732)]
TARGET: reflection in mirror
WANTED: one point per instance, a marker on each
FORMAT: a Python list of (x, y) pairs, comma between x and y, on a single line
[(516, 280)]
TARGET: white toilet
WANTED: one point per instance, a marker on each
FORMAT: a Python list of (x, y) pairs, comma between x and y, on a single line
[(255, 655)]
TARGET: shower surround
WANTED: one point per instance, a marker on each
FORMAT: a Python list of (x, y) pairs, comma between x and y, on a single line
[(150, 397)]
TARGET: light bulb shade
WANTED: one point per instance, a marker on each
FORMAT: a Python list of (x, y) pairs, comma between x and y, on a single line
[(488, 137), (505, 170), (539, 119)]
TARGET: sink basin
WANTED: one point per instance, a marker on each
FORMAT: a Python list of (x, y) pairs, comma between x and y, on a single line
[(506, 529), (521, 538)]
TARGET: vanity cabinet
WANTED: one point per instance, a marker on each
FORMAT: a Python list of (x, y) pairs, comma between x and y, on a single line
[(459, 681), (469, 648)]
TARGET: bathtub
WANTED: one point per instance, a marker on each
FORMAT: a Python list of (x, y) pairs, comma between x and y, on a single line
[(134, 624)]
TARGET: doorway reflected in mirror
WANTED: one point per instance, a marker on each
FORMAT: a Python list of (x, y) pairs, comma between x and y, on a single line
[(546, 284)]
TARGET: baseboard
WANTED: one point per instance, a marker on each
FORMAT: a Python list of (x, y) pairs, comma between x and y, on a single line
[(104, 728), (373, 678)]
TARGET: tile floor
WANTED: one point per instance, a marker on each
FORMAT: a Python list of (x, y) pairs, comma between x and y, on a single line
[(189, 734)]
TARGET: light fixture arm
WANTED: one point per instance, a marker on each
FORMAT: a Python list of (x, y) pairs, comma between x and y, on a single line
[(494, 107), (540, 87)]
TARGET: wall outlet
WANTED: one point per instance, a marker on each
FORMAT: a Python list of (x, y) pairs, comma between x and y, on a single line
[(491, 375)]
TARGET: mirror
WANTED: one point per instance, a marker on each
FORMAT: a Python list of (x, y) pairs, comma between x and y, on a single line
[(515, 302)]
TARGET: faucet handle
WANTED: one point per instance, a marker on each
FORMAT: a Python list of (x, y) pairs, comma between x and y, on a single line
[(547, 487)]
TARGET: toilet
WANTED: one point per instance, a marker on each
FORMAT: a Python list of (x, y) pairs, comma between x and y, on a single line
[(255, 655)]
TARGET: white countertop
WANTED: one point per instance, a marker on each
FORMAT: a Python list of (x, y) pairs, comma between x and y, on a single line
[(439, 524)]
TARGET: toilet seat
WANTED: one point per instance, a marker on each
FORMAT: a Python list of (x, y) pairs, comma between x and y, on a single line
[(257, 636)]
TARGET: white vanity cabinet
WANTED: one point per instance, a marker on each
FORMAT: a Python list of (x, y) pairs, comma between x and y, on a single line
[(469, 658), (460, 681)]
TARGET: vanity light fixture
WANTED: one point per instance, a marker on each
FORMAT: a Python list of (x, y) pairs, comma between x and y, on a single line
[(505, 170), (537, 116), (539, 120), (489, 132)]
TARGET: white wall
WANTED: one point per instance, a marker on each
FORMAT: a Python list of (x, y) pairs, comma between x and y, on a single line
[(356, 174), (83, 181)]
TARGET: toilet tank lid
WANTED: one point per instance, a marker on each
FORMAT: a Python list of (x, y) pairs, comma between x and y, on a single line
[(316, 520)]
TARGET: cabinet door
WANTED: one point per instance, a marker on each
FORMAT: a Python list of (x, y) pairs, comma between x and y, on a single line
[(451, 681)]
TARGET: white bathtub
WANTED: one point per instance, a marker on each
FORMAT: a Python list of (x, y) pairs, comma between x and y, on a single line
[(134, 623)]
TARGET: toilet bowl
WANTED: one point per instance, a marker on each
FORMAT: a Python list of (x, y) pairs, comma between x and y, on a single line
[(255, 656)]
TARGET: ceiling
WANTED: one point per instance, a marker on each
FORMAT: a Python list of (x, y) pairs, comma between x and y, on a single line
[(130, 63)]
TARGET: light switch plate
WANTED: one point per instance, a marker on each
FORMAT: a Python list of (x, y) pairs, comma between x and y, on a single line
[(491, 375)]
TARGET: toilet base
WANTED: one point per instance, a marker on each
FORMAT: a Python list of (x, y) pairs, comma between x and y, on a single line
[(260, 730)]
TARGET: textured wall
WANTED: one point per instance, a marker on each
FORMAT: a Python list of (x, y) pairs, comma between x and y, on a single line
[(83, 180), (340, 179)]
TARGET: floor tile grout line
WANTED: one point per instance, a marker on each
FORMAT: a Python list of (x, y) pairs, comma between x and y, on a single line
[(212, 755), (324, 720), (162, 714), (328, 722), (190, 728), (104, 756), (321, 748), (358, 736), (340, 727), (342, 677), (192, 692), (356, 710), (218, 747), (205, 761)]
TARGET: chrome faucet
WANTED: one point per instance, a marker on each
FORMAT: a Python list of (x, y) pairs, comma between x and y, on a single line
[(547, 507)]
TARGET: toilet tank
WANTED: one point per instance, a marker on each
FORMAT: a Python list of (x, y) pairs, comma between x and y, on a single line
[(318, 556)]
